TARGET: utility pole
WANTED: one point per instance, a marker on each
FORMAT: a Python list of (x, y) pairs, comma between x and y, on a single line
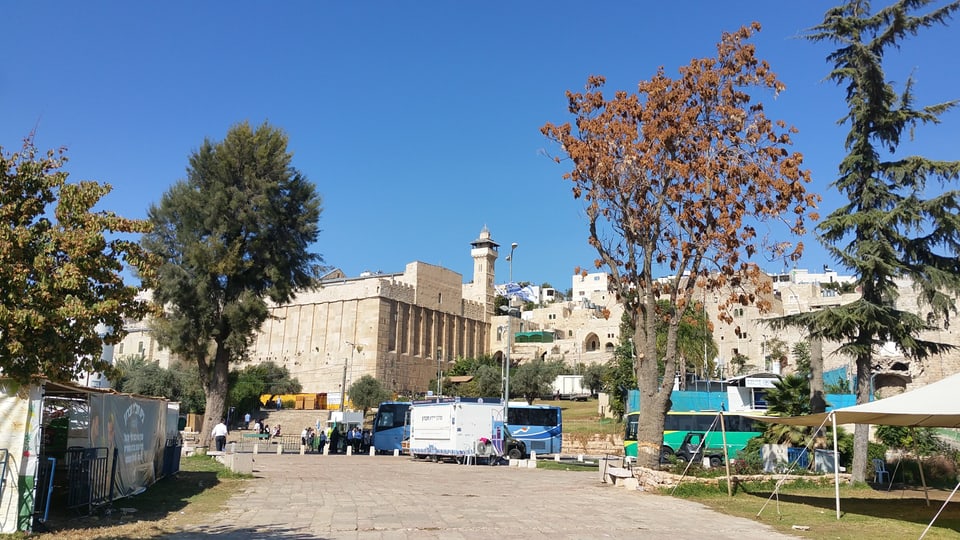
[(343, 386), (506, 380)]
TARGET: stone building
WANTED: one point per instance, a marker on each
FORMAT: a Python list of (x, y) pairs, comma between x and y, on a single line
[(402, 328)]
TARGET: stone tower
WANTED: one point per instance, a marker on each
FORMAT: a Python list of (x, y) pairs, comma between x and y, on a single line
[(484, 255)]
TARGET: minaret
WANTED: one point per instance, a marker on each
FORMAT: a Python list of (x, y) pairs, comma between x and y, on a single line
[(484, 255)]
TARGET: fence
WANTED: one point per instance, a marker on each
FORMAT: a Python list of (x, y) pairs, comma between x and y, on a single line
[(3, 470), (44, 487), (291, 444), (90, 477)]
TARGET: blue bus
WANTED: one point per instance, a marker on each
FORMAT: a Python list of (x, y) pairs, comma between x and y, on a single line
[(391, 426), (539, 426)]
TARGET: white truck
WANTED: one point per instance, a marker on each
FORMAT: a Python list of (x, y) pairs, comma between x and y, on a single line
[(570, 387), (461, 429)]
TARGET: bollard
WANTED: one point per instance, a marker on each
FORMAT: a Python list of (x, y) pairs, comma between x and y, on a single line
[(326, 449), (556, 457), (373, 451), (396, 452), (233, 448), (303, 449), (279, 449), (256, 448), (533, 457), (349, 450), (580, 458)]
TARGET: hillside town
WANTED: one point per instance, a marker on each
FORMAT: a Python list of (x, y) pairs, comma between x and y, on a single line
[(406, 327)]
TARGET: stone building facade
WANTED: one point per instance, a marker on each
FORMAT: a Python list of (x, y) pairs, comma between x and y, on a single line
[(401, 328)]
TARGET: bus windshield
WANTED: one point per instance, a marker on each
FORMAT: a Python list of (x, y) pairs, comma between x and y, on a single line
[(539, 426)]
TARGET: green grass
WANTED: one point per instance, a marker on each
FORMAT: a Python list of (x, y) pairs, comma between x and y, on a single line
[(566, 465), (865, 512)]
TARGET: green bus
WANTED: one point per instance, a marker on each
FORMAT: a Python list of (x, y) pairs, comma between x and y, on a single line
[(677, 425)]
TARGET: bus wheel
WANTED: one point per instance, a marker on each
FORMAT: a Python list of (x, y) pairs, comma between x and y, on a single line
[(514, 453)]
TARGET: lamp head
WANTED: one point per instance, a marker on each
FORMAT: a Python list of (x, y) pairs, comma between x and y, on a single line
[(513, 245)]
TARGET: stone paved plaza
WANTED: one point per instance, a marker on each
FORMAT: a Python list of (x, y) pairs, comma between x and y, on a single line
[(364, 497)]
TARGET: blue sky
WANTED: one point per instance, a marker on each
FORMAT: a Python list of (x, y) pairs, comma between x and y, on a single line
[(418, 121)]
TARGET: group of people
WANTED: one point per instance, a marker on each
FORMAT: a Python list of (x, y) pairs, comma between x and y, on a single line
[(264, 429), (338, 438)]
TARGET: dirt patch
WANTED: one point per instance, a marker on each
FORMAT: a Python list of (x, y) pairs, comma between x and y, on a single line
[(166, 508)]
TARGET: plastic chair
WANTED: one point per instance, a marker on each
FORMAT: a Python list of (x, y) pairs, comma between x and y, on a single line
[(880, 471)]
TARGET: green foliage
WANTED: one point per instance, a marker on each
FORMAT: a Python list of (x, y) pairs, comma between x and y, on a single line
[(922, 441), (469, 366), (801, 357), (893, 227), (838, 386), (235, 233), (367, 393), (61, 269), (533, 380), (487, 382), (593, 377), (789, 396), (135, 375), (695, 345), (619, 376), (249, 383)]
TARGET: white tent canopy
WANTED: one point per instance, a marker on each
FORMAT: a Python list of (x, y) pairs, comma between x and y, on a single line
[(934, 405)]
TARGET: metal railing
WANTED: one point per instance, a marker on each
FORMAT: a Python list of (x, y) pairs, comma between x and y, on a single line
[(45, 472), (4, 453), (90, 477)]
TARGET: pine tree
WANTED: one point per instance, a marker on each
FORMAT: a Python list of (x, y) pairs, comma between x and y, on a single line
[(893, 227)]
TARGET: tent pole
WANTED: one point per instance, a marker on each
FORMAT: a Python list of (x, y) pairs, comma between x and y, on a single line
[(726, 455), (923, 480), (952, 493), (836, 463)]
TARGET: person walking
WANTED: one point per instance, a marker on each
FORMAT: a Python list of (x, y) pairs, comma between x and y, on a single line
[(322, 440), (219, 435), (246, 421), (279, 403)]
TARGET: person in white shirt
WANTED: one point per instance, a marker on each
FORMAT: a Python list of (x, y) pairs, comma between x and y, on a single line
[(219, 434)]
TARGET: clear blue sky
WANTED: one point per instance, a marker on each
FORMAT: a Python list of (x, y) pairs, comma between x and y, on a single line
[(418, 121)]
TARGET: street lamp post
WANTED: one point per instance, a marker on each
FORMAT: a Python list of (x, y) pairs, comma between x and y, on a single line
[(439, 374), (506, 363), (343, 386)]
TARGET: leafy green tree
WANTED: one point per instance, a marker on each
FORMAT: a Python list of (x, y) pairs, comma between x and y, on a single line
[(619, 375), (789, 396), (894, 226), (191, 396), (61, 269), (923, 441), (367, 393), (151, 380), (487, 382), (251, 382), (233, 234), (801, 357), (694, 340), (533, 380), (675, 178), (135, 375), (593, 378)]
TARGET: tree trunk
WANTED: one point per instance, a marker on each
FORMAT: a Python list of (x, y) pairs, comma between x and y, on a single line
[(216, 389), (818, 401), (654, 400), (861, 432)]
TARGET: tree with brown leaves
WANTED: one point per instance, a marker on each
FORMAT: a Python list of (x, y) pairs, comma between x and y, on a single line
[(676, 178)]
